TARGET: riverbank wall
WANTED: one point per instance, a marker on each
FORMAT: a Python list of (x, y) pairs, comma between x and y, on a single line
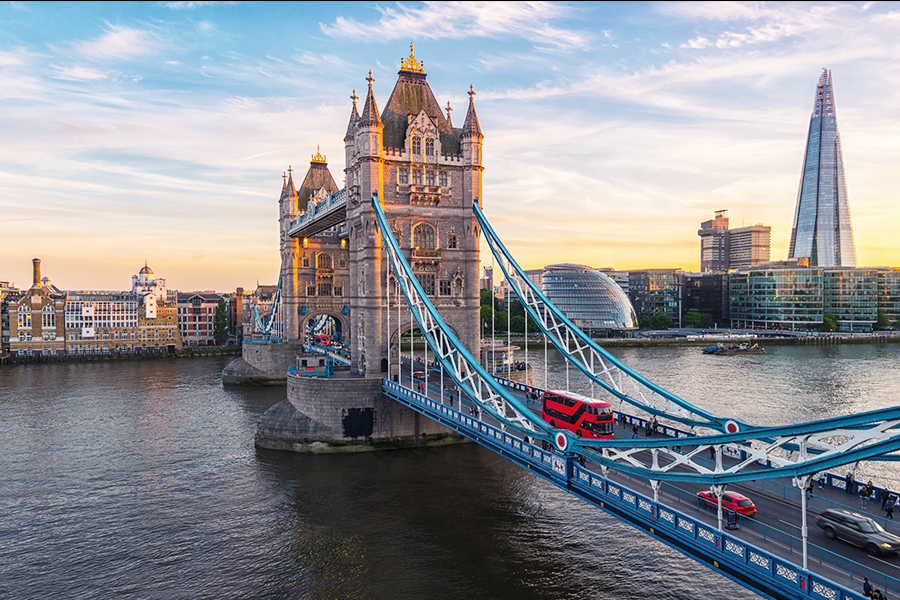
[(345, 414), (194, 352)]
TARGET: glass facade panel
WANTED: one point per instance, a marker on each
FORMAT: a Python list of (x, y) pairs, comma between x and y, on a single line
[(590, 299)]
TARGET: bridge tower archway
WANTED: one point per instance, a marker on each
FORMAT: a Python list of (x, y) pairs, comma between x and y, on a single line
[(324, 323)]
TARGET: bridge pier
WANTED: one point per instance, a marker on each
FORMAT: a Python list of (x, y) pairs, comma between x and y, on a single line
[(345, 414), (261, 364)]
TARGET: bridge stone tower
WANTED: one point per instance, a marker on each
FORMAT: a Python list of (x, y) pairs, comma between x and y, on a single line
[(426, 174), (314, 269)]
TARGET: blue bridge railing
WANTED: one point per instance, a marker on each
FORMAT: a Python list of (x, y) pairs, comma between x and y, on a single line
[(732, 556)]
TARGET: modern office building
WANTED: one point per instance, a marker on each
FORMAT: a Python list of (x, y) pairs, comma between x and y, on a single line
[(590, 299), (822, 231), (536, 276), (656, 292), (749, 246), (722, 249), (797, 297), (707, 293), (889, 293), (714, 244)]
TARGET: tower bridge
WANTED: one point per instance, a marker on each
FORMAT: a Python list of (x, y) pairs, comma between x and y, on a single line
[(396, 251)]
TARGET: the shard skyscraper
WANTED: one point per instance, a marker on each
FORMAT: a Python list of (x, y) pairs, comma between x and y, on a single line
[(822, 231)]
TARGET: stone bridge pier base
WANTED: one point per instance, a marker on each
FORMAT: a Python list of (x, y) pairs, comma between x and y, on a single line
[(345, 415), (261, 364)]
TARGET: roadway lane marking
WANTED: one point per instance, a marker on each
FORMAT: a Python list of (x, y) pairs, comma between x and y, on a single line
[(882, 561), (789, 524)]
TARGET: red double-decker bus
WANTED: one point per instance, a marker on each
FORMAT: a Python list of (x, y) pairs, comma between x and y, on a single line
[(579, 414), (322, 339)]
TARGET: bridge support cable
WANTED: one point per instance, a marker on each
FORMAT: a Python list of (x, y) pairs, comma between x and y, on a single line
[(824, 444), (596, 363), (272, 321), (465, 370)]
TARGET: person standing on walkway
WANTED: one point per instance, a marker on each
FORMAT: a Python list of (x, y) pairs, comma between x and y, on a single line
[(867, 588), (885, 494), (889, 507), (849, 481), (864, 496)]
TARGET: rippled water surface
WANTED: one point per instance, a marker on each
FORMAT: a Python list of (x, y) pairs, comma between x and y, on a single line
[(140, 480)]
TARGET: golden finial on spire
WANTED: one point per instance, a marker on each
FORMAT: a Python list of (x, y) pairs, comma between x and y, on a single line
[(411, 64), (471, 93), (354, 97), (449, 110), (370, 79), (318, 157)]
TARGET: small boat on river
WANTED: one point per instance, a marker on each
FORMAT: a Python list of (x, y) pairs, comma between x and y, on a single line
[(733, 349)]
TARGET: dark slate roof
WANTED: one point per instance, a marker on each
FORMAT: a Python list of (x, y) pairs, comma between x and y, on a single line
[(410, 95), (317, 177)]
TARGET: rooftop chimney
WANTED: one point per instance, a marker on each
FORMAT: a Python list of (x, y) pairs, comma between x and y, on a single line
[(37, 272)]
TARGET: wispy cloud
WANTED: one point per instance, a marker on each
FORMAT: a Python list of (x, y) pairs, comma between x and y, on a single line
[(119, 42), (193, 5), (77, 73), (458, 20)]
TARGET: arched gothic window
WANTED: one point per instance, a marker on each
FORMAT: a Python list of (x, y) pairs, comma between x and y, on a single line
[(429, 147), (323, 261), (424, 237), (416, 145)]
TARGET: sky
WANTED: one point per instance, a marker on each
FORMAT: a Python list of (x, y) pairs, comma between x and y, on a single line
[(159, 131)]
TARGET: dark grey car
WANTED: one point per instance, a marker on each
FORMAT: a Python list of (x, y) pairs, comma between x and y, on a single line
[(858, 530)]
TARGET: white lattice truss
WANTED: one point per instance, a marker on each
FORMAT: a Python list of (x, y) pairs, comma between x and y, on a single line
[(577, 347), (793, 450), (471, 378)]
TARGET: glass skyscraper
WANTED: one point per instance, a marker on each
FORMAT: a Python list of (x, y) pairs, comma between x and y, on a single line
[(822, 230)]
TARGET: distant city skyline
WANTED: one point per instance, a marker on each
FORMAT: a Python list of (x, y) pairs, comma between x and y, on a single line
[(160, 131)]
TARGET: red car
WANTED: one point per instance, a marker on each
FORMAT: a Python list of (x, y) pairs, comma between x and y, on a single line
[(739, 503)]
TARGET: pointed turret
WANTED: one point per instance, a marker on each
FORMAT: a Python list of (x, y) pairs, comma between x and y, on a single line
[(470, 127), (370, 110), (289, 186), (354, 120)]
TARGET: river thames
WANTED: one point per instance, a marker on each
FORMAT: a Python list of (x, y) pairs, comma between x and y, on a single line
[(139, 479)]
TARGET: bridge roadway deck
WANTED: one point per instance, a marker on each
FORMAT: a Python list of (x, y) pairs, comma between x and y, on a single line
[(776, 528)]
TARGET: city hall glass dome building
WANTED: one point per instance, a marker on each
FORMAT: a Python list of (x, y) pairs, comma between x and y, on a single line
[(590, 299)]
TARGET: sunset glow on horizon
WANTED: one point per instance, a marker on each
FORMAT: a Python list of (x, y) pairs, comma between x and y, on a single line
[(161, 131)]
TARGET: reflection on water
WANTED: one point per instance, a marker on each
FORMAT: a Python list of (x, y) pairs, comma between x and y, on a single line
[(139, 479)]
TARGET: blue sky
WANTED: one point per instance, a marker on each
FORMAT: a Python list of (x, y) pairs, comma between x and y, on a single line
[(160, 131)]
